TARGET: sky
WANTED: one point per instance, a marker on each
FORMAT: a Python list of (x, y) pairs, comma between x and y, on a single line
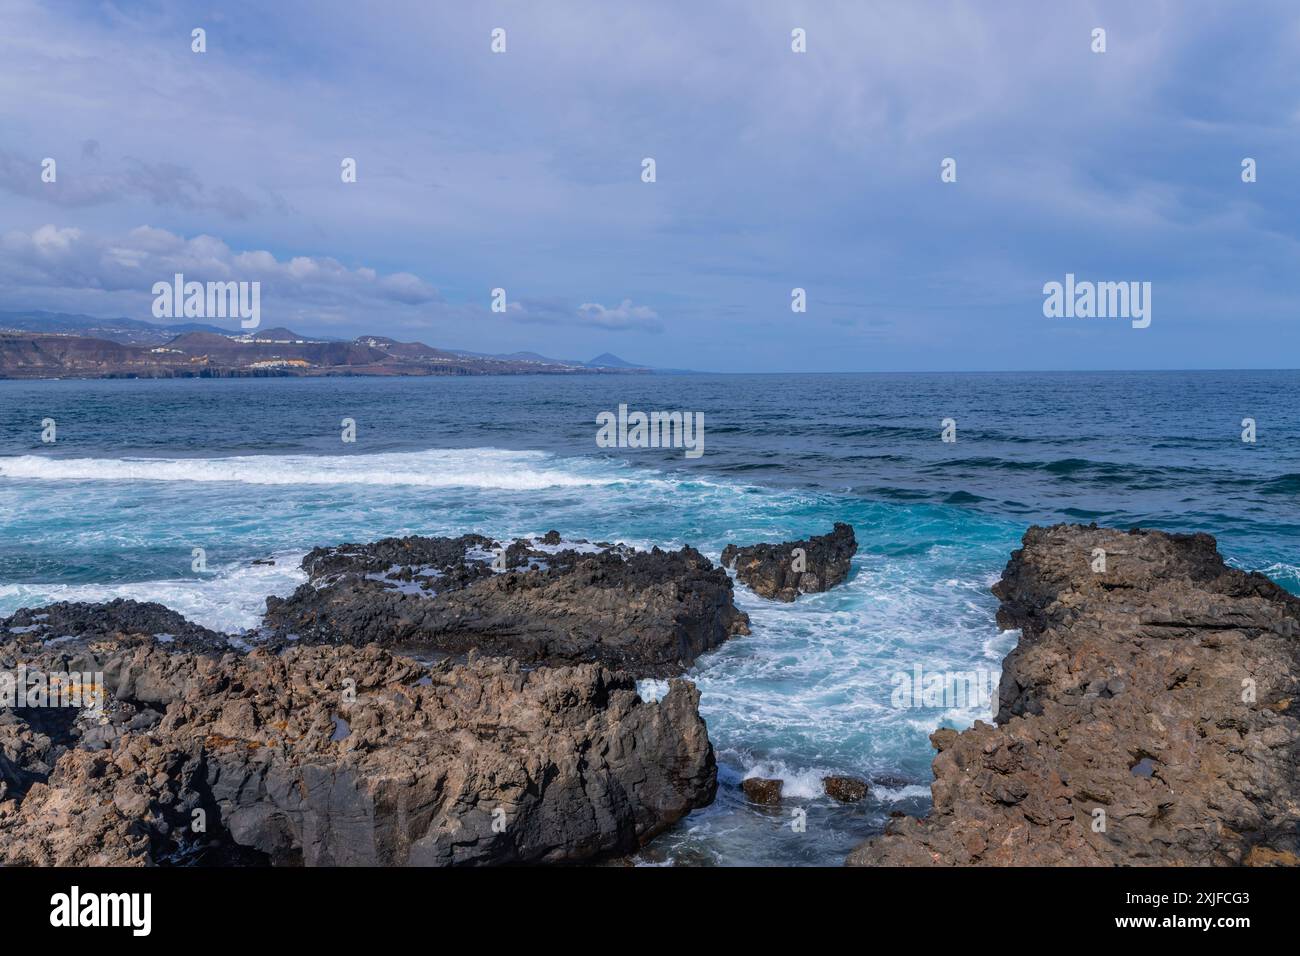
[(774, 170)]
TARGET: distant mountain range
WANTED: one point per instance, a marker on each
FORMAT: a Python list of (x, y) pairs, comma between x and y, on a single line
[(125, 331), (53, 344), (604, 360)]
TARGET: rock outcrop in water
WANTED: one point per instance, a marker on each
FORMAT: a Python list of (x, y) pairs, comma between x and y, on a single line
[(1150, 714), (324, 755), (845, 789), (763, 790), (776, 571), (650, 613)]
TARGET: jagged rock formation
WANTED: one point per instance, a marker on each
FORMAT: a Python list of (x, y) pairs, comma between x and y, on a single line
[(775, 571), (651, 613), (1148, 715), (323, 755), (320, 747)]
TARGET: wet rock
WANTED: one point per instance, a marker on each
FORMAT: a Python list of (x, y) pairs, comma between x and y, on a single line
[(776, 571), (845, 789), (1141, 716), (521, 553), (394, 559), (890, 781), (763, 791), (480, 763), (650, 613), (116, 620)]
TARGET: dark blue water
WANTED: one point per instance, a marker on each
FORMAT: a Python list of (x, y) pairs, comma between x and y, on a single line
[(143, 472)]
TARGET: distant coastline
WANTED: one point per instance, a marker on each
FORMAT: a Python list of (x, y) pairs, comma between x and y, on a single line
[(52, 346)]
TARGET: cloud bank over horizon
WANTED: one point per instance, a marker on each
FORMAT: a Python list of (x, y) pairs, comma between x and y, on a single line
[(774, 170)]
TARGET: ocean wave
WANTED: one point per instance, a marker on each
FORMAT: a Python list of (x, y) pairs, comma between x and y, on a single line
[(487, 468), (1282, 485), (804, 783)]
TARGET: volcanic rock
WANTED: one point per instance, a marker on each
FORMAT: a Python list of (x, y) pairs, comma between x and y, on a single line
[(238, 760), (1148, 715), (116, 619), (776, 571), (650, 613)]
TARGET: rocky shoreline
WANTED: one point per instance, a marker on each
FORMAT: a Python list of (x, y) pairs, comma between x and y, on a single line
[(350, 756), (1150, 714), (464, 701), (419, 701)]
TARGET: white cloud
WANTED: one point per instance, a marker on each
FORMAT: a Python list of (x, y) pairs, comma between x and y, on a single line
[(622, 317), (93, 272), (775, 169)]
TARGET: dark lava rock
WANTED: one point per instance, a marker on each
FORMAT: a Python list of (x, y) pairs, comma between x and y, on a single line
[(1147, 716), (395, 559), (762, 790), (775, 571), (481, 763), (551, 537), (845, 789), (117, 619), (651, 613)]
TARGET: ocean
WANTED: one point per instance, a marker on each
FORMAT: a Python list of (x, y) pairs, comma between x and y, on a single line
[(143, 472)]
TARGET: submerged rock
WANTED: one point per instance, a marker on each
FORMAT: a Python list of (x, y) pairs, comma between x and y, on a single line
[(777, 571), (650, 613), (1148, 715), (241, 760)]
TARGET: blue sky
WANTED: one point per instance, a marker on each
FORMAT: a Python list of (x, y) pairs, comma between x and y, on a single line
[(775, 170)]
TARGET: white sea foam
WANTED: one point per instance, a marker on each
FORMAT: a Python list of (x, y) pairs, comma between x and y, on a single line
[(803, 784), (230, 598), (488, 468), (893, 794), (651, 690)]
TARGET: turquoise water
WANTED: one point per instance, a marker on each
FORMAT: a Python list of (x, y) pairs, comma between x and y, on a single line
[(143, 472)]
